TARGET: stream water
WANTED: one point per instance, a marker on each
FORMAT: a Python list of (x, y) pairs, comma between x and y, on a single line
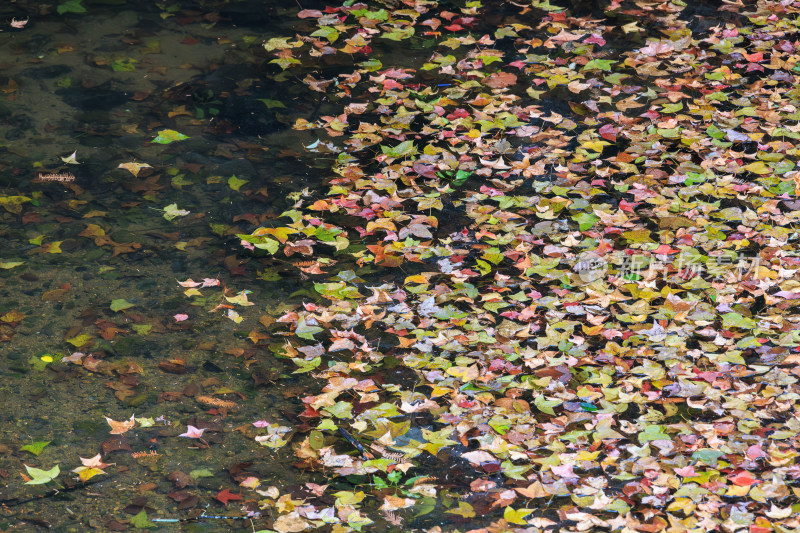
[(138, 140)]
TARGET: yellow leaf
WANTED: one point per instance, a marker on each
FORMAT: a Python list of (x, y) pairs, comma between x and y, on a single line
[(92, 230), (464, 509), (516, 517), (440, 391), (348, 498), (279, 233), (595, 146), (52, 247), (464, 373), (85, 474), (133, 167), (430, 203), (584, 455), (764, 272), (757, 168), (534, 490), (381, 223), (630, 28)]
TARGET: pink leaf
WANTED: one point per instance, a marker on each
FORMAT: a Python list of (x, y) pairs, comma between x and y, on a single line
[(193, 432)]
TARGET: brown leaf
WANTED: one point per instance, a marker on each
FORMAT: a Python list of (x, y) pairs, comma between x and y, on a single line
[(116, 444), (179, 479), (173, 366), (499, 80)]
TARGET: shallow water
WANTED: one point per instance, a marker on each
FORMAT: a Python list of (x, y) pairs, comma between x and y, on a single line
[(102, 84)]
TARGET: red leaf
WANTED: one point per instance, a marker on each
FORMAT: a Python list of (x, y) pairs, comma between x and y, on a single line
[(665, 249), (743, 479), (609, 133), (225, 496), (754, 58)]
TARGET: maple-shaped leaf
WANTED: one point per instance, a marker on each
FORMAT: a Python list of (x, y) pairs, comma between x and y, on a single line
[(39, 476), (169, 136), (226, 496), (86, 473), (35, 448), (499, 80), (193, 432), (95, 462), (134, 167), (171, 211), (118, 428), (516, 516), (743, 479), (70, 159), (464, 509)]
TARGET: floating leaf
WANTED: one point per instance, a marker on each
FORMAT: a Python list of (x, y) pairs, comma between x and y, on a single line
[(133, 167), (169, 136), (35, 448), (39, 477)]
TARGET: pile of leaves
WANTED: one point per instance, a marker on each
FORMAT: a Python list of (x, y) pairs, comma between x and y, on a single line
[(586, 229)]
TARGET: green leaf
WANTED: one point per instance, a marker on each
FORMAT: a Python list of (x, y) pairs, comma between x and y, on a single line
[(599, 64), (371, 65), (142, 329), (653, 432), (280, 43), (141, 521), (71, 6), (735, 320), (235, 183), (168, 136), (171, 211), (585, 220), (545, 405), (424, 506), (271, 103), (40, 477), (120, 304), (401, 150), (399, 34), (79, 340), (707, 456), (286, 62), (327, 32), (36, 448), (123, 65), (201, 472), (672, 108), (305, 331), (340, 410)]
